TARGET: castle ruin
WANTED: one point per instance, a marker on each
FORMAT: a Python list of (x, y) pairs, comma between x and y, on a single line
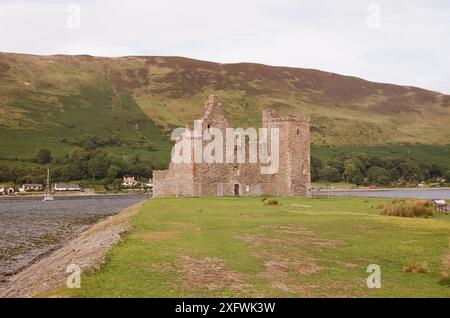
[(292, 177)]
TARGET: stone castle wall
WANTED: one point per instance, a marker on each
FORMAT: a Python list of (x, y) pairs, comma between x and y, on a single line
[(220, 179)]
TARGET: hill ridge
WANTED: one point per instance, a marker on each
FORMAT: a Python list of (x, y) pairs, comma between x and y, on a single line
[(78, 94)]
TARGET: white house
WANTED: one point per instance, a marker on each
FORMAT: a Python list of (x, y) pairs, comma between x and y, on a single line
[(66, 187), (26, 187), (129, 182), (5, 190)]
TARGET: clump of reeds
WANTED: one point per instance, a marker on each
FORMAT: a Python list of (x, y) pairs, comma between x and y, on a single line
[(408, 208)]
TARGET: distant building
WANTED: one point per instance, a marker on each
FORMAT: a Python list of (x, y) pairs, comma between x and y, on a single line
[(129, 182), (6, 190), (66, 187), (28, 187)]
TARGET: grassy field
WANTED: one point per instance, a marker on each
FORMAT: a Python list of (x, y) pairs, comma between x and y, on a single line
[(214, 247)]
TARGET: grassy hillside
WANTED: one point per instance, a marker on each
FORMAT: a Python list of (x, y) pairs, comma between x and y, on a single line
[(222, 247), (52, 106), (46, 100)]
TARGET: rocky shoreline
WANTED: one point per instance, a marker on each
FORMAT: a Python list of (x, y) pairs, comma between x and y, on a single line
[(31, 228), (88, 251)]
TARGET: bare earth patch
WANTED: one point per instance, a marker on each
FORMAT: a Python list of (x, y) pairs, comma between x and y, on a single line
[(283, 268), (286, 255), (207, 272), (87, 251)]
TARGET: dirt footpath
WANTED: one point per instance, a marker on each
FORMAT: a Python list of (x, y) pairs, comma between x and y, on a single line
[(87, 251)]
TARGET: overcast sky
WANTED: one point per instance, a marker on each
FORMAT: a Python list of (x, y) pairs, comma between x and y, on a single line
[(397, 41)]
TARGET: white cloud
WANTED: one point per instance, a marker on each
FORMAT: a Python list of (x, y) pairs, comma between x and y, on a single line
[(411, 47)]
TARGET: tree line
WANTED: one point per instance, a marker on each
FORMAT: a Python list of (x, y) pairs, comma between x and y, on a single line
[(362, 168), (93, 165), (98, 166)]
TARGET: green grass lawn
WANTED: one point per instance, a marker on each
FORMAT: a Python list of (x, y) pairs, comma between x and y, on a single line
[(214, 247)]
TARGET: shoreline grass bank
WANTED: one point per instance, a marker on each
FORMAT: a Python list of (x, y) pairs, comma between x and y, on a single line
[(238, 247)]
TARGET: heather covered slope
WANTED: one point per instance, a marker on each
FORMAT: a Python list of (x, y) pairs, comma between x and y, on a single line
[(54, 100)]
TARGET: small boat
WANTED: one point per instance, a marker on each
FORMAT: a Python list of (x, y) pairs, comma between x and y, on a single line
[(48, 195)]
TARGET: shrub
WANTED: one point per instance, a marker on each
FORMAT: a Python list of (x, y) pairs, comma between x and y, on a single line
[(44, 156), (408, 208), (271, 202), (413, 267)]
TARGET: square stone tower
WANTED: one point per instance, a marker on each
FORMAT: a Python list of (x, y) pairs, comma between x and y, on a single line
[(294, 175)]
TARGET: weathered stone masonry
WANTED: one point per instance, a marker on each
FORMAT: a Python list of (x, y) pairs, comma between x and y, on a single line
[(222, 179)]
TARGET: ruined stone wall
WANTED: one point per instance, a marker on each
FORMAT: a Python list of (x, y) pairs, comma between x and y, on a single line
[(219, 179), (301, 158), (293, 178), (210, 178), (177, 181), (159, 183)]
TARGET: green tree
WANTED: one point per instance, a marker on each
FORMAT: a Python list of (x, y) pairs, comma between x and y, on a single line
[(350, 170), (98, 166), (410, 170), (316, 165), (44, 156), (79, 158), (436, 171), (394, 174), (358, 179), (378, 175), (113, 172), (330, 174), (361, 160), (375, 161)]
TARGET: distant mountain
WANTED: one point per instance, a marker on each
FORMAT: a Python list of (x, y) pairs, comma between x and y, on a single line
[(52, 101)]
